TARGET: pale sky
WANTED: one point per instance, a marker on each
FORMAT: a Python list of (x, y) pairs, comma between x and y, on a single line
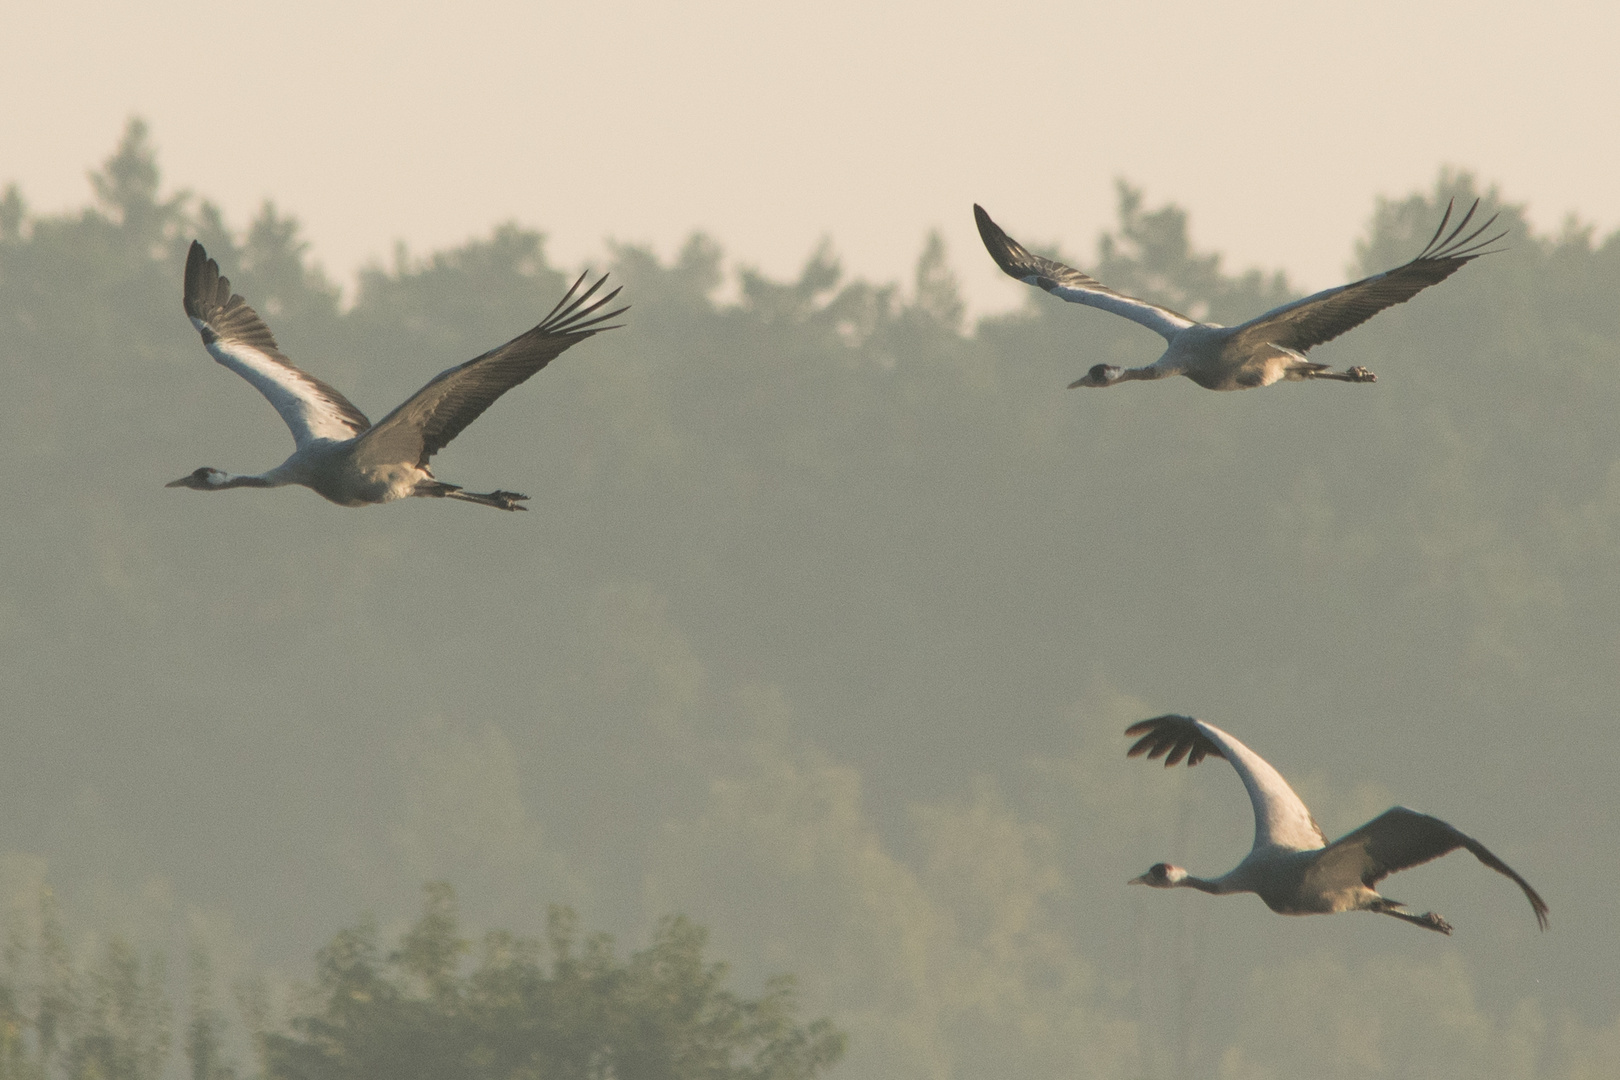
[(770, 126)]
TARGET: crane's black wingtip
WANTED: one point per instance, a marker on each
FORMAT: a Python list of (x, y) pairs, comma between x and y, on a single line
[(1007, 252), (987, 227), (204, 286), (1173, 737), (1537, 905), (1153, 722), (594, 329), (198, 262)]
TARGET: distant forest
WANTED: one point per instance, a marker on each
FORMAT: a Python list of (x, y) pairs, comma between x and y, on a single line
[(823, 631), (563, 1007)]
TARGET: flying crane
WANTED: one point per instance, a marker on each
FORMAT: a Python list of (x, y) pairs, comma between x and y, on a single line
[(1264, 350), (340, 454), (1292, 866)]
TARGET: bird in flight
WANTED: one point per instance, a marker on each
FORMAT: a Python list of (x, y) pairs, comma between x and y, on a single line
[(1292, 866), (1267, 349), (340, 454)]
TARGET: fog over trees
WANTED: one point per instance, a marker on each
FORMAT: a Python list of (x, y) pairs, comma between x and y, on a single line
[(821, 635)]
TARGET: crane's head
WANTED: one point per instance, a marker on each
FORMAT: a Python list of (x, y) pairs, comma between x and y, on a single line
[(1099, 375), (1161, 876), (204, 479)]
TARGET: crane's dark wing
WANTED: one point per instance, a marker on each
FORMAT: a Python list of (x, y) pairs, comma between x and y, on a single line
[(1327, 314), (1070, 284), (1400, 838), (234, 335), (1173, 738), (438, 412)]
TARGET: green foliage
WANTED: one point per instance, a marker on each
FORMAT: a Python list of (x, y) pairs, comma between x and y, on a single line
[(566, 1008), (122, 1029), (12, 212), (206, 1033), (109, 1019)]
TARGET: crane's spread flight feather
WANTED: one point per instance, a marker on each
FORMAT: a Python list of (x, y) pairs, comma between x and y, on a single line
[(1323, 316), (234, 335), (1070, 284), (454, 398)]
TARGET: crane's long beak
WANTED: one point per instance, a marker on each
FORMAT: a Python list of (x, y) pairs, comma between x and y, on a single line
[(1140, 879), (177, 483)]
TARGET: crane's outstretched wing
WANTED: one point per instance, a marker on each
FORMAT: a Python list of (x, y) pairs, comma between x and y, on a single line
[(1329, 313), (234, 335), (1400, 838), (1281, 819), (1071, 284), (438, 412)]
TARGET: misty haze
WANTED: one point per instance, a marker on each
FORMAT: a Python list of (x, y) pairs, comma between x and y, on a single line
[(812, 661)]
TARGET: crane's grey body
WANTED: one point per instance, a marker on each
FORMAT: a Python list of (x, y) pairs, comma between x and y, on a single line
[(1218, 358), (1289, 883), (341, 455), (337, 471), (1291, 866), (1277, 875), (1267, 349)]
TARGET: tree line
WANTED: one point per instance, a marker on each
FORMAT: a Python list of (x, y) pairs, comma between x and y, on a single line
[(435, 1005)]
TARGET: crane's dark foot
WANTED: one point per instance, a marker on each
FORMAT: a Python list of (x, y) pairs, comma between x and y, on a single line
[(507, 500), (1434, 922), (500, 500), (1428, 920), (1360, 374)]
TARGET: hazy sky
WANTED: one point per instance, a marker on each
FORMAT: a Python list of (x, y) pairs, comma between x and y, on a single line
[(773, 125)]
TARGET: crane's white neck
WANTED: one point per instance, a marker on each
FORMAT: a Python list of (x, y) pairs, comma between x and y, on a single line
[(232, 480), (1169, 876), (1180, 879), (206, 479)]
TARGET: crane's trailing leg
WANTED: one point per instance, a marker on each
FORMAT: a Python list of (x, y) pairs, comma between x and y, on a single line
[(1428, 920), (1299, 367), (1355, 374), (500, 500)]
